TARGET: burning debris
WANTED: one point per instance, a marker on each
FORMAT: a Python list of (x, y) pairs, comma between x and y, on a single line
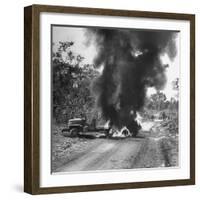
[(107, 125), (131, 63), (124, 132)]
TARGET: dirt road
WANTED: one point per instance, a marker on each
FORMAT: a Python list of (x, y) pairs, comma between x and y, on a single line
[(105, 154), (154, 147)]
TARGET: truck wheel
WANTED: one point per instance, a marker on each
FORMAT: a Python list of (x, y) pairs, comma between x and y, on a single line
[(74, 132), (65, 132)]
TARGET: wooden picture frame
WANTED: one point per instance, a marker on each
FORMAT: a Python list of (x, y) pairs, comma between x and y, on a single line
[(32, 98)]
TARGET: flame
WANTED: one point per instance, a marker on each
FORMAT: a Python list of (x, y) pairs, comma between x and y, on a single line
[(124, 132), (107, 124), (138, 118)]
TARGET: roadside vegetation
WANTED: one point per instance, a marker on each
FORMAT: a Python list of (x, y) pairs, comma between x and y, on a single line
[(72, 81)]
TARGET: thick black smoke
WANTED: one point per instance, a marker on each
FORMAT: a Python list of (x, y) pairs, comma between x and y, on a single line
[(131, 63)]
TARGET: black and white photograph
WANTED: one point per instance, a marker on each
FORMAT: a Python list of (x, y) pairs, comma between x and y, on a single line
[(114, 98)]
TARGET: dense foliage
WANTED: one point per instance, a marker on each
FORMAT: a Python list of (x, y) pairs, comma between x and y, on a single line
[(71, 84), (159, 102)]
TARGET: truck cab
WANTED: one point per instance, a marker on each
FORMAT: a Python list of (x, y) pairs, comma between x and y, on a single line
[(76, 125)]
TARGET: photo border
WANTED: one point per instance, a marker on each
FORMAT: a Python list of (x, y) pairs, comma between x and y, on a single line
[(32, 98)]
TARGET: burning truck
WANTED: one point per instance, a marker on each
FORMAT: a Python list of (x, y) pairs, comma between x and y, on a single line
[(78, 127)]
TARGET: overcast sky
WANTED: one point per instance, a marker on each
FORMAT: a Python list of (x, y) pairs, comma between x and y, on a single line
[(77, 35)]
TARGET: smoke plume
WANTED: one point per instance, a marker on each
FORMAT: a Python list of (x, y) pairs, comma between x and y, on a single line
[(131, 63)]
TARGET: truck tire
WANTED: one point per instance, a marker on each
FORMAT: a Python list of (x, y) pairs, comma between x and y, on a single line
[(65, 132), (74, 132)]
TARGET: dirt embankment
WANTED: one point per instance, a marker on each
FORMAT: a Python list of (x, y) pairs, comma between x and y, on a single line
[(63, 148)]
